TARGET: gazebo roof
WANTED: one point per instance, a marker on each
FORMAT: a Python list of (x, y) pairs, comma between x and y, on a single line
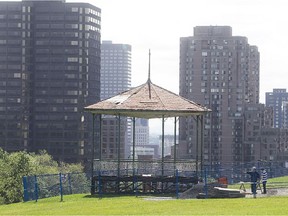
[(147, 101)]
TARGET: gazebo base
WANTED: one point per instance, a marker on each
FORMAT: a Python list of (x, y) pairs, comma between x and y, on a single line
[(142, 184)]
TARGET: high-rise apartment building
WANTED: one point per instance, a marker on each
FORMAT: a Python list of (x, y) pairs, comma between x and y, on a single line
[(257, 120), (278, 100), (141, 131), (115, 78), (115, 68), (49, 71), (220, 71)]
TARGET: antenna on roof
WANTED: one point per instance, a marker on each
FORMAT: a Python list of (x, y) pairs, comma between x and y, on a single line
[(149, 81)]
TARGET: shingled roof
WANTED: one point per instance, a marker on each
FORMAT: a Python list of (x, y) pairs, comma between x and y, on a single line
[(147, 101)]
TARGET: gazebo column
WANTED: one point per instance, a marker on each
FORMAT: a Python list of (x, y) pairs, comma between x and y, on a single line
[(118, 153), (162, 158), (92, 155), (100, 138), (133, 143), (202, 141), (175, 140), (118, 147), (197, 144), (162, 161)]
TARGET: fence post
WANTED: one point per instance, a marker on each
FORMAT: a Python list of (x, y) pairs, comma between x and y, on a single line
[(99, 184), (177, 185), (60, 187), (136, 183), (205, 181), (35, 188), (25, 195), (69, 181)]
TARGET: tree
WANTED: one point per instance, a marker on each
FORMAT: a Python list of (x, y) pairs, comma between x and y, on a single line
[(43, 163), (15, 165)]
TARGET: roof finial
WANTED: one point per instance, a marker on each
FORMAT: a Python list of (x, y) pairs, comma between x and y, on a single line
[(149, 81), (149, 67)]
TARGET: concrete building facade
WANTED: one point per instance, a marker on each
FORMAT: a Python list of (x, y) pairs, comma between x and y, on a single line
[(220, 71), (115, 78), (278, 100), (115, 68), (257, 120), (49, 71)]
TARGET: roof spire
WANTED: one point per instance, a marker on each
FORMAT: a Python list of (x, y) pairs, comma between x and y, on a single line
[(149, 67), (149, 81)]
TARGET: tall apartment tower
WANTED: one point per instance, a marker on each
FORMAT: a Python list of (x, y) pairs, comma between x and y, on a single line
[(115, 68), (278, 100), (221, 72), (115, 78), (49, 71)]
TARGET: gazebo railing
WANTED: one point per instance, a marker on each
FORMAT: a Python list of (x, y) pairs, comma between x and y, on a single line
[(144, 167)]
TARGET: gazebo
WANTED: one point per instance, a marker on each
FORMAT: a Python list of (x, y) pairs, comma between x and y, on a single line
[(145, 101)]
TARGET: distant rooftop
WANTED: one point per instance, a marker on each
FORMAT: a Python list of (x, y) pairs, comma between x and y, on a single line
[(223, 31)]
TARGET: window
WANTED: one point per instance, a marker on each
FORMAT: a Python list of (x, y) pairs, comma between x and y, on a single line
[(42, 17), (17, 75), (57, 26), (42, 42), (72, 18), (74, 43), (74, 9), (72, 59), (71, 92), (71, 26), (42, 26), (57, 17)]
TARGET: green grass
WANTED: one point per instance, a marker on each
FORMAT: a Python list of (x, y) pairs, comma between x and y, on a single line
[(130, 205), (279, 182)]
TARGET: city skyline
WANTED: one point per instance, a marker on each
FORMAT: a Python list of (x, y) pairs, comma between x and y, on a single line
[(158, 25), (218, 69)]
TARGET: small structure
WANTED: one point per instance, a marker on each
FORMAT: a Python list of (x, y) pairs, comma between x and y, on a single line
[(145, 101)]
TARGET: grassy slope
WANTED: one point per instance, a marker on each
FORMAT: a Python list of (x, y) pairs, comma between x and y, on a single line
[(131, 205)]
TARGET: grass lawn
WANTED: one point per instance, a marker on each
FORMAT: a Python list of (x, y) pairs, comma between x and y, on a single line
[(279, 182), (130, 205)]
